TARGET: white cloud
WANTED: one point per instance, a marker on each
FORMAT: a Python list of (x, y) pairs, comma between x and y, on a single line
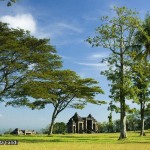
[(66, 57), (23, 21), (69, 27), (90, 18), (92, 64), (97, 56), (58, 30), (89, 64), (1, 115)]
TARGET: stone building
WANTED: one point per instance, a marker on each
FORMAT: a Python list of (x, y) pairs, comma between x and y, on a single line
[(23, 132), (77, 124)]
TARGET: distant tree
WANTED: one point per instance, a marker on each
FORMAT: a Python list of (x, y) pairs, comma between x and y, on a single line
[(133, 121), (8, 131), (59, 128), (61, 88), (147, 122), (116, 125), (103, 127), (147, 117), (117, 35), (110, 123)]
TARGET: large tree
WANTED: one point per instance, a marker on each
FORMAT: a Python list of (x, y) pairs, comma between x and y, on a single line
[(117, 35), (19, 54), (141, 81), (140, 67), (61, 88)]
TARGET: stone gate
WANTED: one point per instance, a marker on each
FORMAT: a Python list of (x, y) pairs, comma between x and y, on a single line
[(77, 124)]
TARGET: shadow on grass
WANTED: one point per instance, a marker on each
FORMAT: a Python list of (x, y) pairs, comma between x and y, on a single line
[(36, 140), (81, 141), (77, 139)]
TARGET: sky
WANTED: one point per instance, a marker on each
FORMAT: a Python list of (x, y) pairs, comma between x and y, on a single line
[(67, 23)]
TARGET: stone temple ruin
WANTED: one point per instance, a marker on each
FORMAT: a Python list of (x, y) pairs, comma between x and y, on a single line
[(23, 132), (79, 124)]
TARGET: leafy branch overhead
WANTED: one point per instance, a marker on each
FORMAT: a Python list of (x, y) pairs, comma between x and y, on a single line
[(10, 2), (20, 55)]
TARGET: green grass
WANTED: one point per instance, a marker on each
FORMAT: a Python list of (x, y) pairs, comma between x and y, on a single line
[(107, 141)]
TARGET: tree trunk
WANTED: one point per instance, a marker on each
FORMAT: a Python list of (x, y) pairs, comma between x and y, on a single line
[(123, 133), (51, 127), (142, 133), (142, 119), (52, 122)]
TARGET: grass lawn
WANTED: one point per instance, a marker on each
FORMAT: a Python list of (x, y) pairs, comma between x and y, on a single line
[(108, 141)]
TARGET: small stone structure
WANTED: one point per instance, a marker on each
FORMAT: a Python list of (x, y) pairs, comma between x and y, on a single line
[(79, 124), (17, 131)]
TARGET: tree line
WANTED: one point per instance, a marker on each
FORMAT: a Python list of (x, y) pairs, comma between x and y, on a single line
[(111, 126)]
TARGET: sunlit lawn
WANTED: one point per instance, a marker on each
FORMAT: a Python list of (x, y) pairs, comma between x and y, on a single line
[(78, 142)]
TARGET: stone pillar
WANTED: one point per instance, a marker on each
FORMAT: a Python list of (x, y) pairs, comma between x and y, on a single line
[(85, 125), (91, 124), (73, 129), (78, 127)]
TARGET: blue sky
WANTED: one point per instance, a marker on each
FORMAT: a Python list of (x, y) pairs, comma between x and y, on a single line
[(68, 23)]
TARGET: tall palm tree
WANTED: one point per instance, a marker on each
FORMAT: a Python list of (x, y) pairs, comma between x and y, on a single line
[(143, 37)]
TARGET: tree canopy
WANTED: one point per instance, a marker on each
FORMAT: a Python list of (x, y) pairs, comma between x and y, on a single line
[(21, 54), (61, 88), (31, 75)]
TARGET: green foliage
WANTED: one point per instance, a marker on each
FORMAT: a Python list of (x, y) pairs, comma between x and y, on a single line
[(143, 37), (141, 79), (106, 127), (59, 128), (117, 35), (61, 88), (8, 132), (103, 127), (20, 55), (133, 122), (30, 69), (140, 68), (141, 83)]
